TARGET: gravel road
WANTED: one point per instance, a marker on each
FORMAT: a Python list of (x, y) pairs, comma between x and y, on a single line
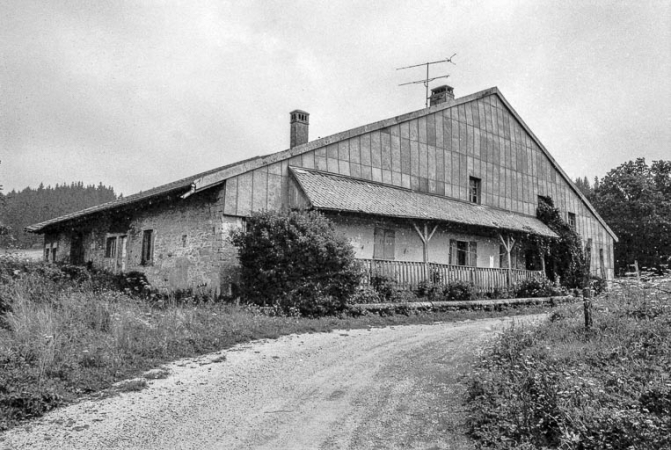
[(382, 388)]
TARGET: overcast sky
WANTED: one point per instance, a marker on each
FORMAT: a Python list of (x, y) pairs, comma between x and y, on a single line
[(135, 94)]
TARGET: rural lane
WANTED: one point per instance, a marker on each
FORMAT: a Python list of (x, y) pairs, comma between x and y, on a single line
[(381, 388)]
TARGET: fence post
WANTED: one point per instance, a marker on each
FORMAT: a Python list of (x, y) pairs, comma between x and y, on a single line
[(587, 306)]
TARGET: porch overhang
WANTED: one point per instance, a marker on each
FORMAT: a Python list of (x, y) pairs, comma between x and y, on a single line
[(331, 192)]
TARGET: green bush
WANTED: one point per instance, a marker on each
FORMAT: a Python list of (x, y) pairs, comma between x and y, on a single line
[(430, 290), (385, 287), (459, 290), (296, 259), (537, 287), (365, 295), (598, 284)]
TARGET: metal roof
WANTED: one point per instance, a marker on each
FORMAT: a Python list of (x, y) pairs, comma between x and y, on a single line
[(330, 192), (180, 185)]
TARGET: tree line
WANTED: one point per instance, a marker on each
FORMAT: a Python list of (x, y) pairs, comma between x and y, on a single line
[(635, 201), (18, 209)]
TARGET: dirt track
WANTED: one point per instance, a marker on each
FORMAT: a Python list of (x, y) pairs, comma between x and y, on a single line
[(397, 387)]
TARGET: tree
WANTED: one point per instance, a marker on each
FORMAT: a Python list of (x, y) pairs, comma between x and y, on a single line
[(295, 260), (585, 188), (30, 206), (635, 200)]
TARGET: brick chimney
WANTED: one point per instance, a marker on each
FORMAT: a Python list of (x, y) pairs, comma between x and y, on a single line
[(300, 122), (441, 94)]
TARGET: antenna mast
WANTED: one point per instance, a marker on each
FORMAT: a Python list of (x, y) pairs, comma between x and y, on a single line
[(427, 80)]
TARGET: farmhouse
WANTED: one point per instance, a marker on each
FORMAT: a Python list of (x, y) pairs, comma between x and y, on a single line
[(448, 191)]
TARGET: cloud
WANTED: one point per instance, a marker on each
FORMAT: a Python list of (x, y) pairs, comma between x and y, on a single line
[(137, 94)]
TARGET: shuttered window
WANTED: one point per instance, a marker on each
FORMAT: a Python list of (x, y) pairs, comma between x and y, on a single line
[(463, 253), (110, 247), (147, 247), (384, 243)]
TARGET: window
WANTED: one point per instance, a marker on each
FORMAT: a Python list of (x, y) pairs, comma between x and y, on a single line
[(384, 244), (474, 192), (110, 247), (147, 247), (571, 220), (463, 253), (50, 251)]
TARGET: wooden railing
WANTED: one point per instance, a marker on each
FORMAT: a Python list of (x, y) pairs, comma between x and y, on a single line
[(409, 274)]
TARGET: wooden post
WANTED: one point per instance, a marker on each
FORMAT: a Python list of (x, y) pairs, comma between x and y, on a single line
[(425, 237), (638, 272), (587, 306), (508, 245)]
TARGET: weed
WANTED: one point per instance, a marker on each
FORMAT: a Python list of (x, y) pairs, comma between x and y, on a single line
[(134, 385), (561, 386), (64, 335)]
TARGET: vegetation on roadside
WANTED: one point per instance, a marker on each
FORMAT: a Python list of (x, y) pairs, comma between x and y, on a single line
[(67, 332), (562, 386), (383, 289)]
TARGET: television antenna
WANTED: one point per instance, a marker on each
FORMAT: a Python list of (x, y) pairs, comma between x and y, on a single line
[(428, 79)]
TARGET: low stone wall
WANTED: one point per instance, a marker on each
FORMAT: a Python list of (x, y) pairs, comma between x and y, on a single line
[(486, 305)]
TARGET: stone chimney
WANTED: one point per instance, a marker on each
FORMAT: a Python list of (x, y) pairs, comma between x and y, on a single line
[(441, 94), (300, 122)]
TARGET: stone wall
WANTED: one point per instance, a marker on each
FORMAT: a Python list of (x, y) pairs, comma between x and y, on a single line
[(191, 248)]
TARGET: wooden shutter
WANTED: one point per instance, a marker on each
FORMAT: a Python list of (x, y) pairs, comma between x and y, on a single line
[(378, 244), (147, 250), (453, 252), (389, 244), (472, 259)]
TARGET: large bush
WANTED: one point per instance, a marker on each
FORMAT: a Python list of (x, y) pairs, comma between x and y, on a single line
[(296, 260)]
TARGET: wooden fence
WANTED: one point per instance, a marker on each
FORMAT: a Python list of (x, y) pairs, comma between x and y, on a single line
[(408, 274)]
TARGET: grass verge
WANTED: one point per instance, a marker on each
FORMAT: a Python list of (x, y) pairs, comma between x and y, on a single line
[(562, 386), (62, 337)]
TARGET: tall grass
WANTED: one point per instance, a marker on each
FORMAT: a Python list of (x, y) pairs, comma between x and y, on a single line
[(65, 332), (562, 386)]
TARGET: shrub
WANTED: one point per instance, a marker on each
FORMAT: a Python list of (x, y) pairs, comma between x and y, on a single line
[(405, 297), (430, 290), (385, 287), (501, 294), (296, 259), (598, 284), (537, 287), (459, 290), (365, 295)]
